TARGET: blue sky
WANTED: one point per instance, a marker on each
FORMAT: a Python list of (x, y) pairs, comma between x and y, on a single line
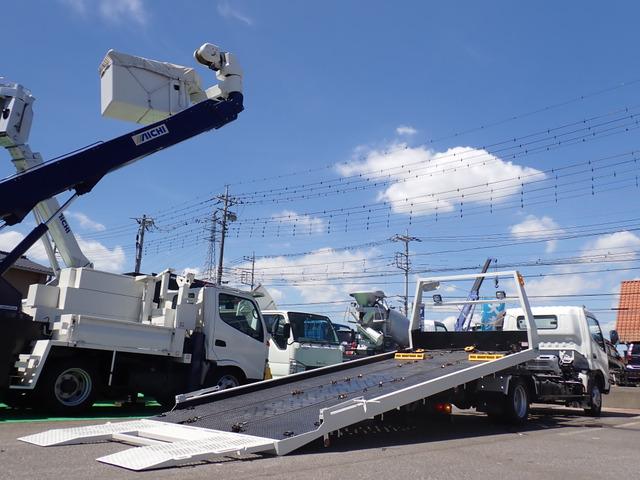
[(386, 95)]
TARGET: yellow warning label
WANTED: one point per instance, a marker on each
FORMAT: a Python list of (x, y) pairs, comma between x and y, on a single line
[(483, 357), (409, 356)]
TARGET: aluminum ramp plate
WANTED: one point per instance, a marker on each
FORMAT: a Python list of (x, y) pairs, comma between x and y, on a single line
[(189, 451), (171, 445), (91, 433)]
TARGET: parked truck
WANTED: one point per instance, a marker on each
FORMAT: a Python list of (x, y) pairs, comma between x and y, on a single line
[(109, 335), (92, 333), (300, 341), (549, 355)]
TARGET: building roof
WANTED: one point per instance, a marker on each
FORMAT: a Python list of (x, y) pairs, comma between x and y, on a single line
[(23, 263), (628, 322)]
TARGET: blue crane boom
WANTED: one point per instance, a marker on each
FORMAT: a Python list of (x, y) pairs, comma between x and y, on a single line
[(467, 309), (81, 171)]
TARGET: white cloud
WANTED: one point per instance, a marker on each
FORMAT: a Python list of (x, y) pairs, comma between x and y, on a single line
[(311, 275), (406, 130), (85, 222), (424, 182), (534, 227), (303, 223), (614, 242), (103, 257), (565, 284), (227, 11), (10, 239), (115, 11)]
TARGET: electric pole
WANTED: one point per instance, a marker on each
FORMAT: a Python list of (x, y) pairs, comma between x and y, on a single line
[(144, 225), (403, 263), (244, 274), (227, 217), (209, 268)]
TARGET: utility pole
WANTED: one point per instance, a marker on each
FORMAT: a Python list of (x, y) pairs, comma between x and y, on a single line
[(144, 225), (243, 278), (403, 263), (227, 217)]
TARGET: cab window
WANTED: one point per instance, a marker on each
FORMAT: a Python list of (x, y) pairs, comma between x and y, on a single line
[(543, 322), (270, 319), (241, 314), (277, 333), (596, 333)]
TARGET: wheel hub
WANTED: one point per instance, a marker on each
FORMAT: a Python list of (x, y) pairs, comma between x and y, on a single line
[(72, 387)]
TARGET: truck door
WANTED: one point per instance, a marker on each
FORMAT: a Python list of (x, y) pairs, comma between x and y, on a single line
[(279, 351), (239, 336), (599, 359)]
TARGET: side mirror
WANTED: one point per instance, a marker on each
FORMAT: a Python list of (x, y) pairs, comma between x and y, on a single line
[(286, 331), (613, 335)]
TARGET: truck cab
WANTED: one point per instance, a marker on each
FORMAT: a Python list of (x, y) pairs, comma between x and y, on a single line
[(573, 336), (300, 341)]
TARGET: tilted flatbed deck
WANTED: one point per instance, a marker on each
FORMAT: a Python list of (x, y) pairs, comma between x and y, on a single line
[(279, 416)]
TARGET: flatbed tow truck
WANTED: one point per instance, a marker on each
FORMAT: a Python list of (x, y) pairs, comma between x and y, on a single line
[(279, 416)]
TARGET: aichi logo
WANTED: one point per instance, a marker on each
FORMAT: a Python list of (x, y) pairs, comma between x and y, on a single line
[(150, 134)]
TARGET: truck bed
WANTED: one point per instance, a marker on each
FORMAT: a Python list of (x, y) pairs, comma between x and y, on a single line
[(279, 416), (292, 408)]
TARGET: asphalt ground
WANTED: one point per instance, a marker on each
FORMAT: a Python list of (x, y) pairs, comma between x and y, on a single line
[(557, 443)]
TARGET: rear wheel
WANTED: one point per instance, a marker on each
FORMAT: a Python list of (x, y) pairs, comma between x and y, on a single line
[(594, 389), (516, 407), (68, 387), (226, 379)]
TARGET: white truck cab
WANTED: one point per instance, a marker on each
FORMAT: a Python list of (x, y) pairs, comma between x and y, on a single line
[(300, 341), (573, 335)]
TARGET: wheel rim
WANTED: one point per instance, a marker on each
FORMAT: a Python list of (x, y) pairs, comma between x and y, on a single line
[(72, 387), (228, 381), (596, 397), (520, 401)]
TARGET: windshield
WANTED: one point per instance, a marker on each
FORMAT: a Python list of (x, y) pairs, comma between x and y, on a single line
[(310, 328)]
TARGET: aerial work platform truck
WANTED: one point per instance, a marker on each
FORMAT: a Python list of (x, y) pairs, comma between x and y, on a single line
[(500, 372)]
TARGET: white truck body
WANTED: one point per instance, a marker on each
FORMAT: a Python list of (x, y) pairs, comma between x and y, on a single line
[(103, 318), (311, 342)]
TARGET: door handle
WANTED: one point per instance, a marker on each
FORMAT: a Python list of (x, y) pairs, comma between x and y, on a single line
[(220, 343)]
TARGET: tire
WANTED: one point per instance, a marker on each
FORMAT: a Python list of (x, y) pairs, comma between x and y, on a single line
[(68, 387), (226, 379), (594, 389), (516, 403)]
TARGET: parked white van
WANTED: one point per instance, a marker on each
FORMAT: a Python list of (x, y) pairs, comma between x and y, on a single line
[(300, 341)]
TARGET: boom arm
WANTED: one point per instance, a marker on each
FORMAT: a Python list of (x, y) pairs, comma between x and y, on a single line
[(82, 170)]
